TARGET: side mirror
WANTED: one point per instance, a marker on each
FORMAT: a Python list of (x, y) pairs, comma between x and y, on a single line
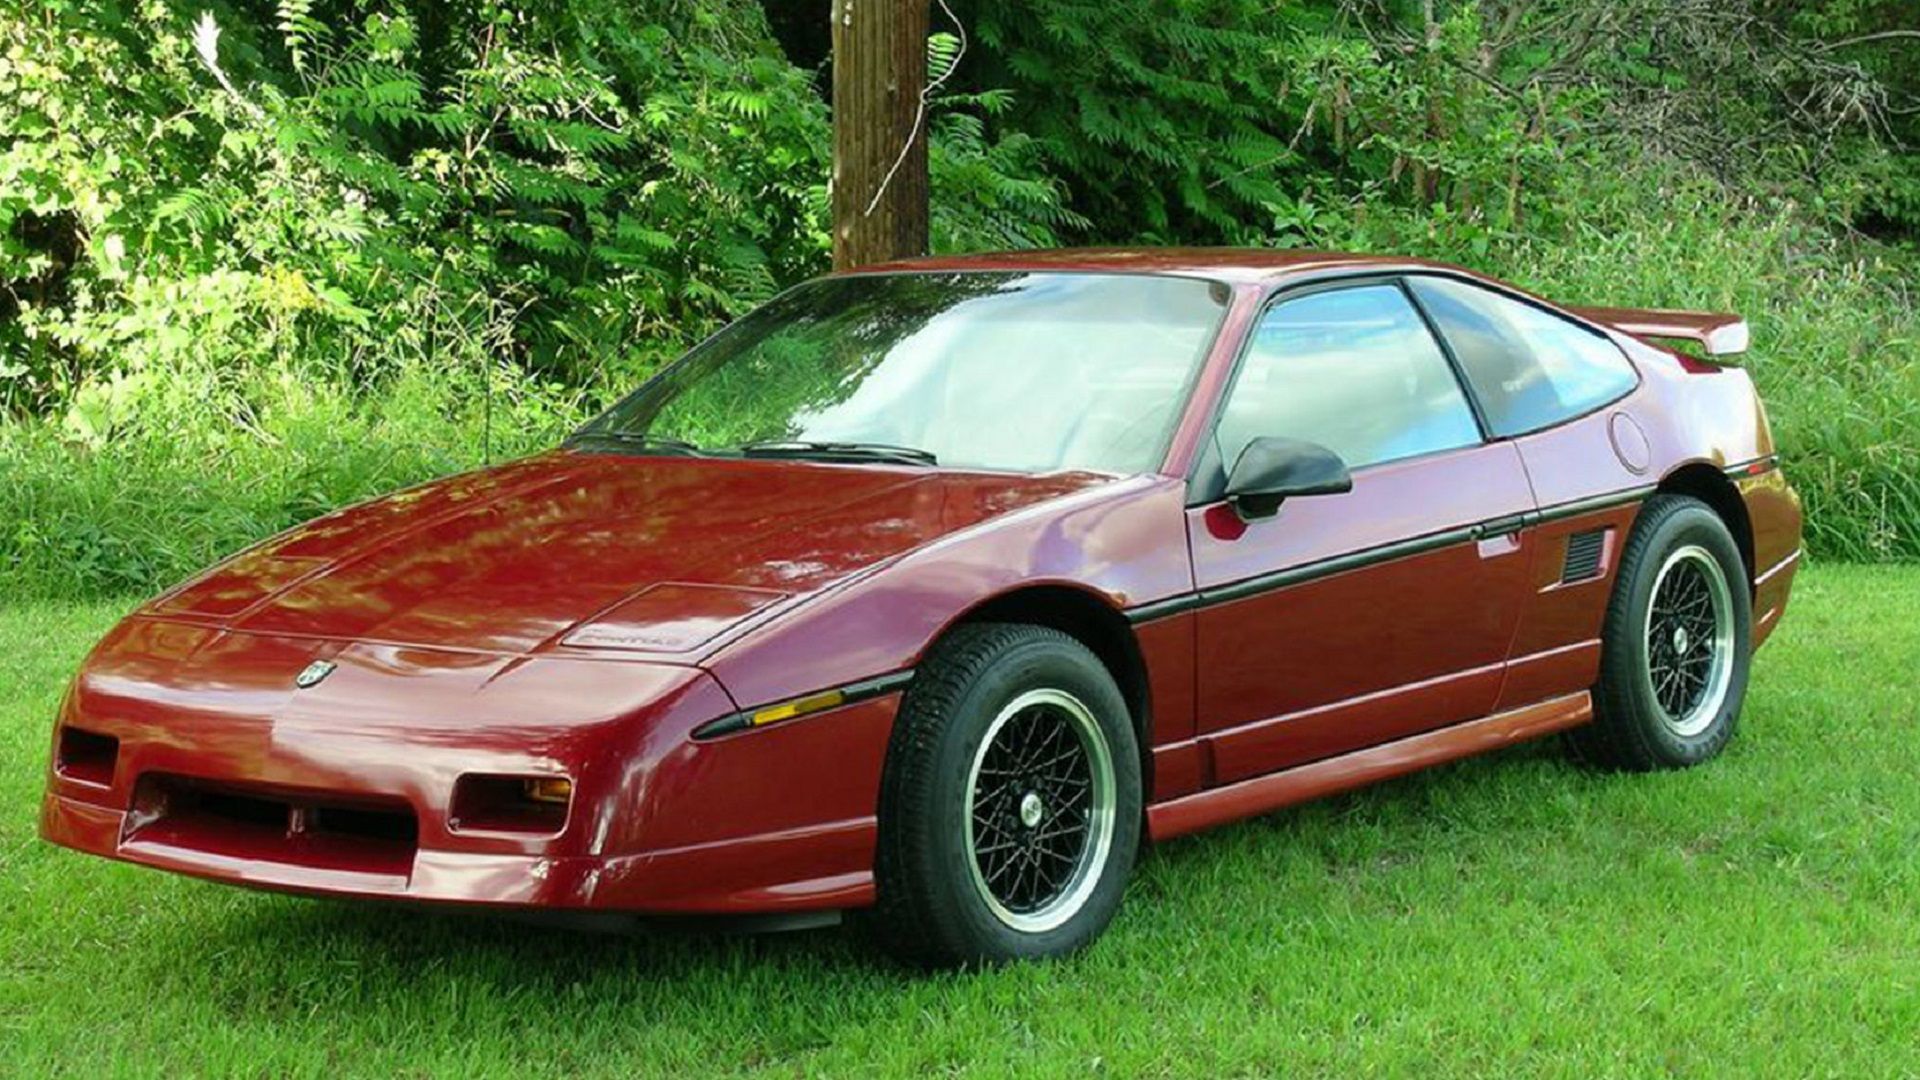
[(1271, 469)]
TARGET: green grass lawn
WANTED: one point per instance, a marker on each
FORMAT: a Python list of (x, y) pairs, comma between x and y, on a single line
[(1760, 915)]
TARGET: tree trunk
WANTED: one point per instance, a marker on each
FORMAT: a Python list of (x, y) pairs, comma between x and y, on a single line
[(879, 67)]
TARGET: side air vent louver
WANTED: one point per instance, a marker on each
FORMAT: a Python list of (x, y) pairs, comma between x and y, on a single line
[(1583, 555)]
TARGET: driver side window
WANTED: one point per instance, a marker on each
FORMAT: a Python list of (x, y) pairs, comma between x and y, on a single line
[(1354, 370)]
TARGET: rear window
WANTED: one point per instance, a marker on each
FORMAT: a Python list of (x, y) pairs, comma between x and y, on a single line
[(1530, 368)]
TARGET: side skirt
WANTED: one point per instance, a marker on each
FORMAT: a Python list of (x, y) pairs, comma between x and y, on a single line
[(1217, 806)]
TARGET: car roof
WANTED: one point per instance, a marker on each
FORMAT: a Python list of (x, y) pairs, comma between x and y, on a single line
[(1233, 265)]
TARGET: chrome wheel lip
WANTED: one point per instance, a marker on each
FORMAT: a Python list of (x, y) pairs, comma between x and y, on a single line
[(1102, 803), (1719, 680)]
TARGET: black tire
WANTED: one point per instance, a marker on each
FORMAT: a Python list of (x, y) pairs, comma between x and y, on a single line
[(1643, 658), (932, 909)]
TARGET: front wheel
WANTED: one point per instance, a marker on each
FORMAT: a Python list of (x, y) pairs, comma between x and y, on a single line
[(1011, 804), (1677, 643)]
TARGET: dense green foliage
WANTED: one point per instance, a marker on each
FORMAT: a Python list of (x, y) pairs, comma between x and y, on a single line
[(259, 257), (1512, 915)]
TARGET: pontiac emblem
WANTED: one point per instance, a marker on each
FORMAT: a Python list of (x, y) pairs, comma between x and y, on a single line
[(313, 673)]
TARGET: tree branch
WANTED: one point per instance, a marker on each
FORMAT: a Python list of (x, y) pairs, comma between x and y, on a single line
[(1882, 35)]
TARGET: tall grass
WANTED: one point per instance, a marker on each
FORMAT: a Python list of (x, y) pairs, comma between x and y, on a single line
[(150, 504)]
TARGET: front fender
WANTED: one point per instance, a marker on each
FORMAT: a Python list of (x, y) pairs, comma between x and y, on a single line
[(1124, 542)]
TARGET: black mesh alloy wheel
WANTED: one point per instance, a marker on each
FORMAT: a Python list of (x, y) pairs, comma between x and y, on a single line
[(1010, 809), (1677, 643)]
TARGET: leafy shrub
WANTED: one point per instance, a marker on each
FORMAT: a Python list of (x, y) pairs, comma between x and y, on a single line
[(578, 191)]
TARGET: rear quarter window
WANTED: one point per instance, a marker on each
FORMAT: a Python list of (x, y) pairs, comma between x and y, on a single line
[(1530, 368)]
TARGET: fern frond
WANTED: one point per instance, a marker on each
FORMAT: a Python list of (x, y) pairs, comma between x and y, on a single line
[(300, 32), (200, 210)]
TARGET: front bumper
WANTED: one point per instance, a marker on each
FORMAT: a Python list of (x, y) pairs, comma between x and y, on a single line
[(429, 875), (752, 875), (222, 769)]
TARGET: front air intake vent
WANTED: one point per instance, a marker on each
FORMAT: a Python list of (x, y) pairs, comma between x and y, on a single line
[(1583, 556), (86, 757)]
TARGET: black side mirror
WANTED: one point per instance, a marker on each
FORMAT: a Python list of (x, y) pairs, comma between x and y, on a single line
[(1271, 469)]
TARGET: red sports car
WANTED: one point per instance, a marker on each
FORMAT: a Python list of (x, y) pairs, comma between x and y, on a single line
[(936, 588)]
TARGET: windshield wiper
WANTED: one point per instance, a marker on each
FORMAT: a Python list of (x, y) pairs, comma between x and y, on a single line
[(641, 440), (843, 451)]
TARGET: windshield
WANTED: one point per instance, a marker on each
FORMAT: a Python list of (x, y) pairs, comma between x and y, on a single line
[(1030, 372)]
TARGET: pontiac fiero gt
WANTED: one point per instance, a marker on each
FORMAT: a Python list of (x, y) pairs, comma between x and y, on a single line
[(935, 588)]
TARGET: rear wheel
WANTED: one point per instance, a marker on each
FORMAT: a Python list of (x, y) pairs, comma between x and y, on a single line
[(1010, 809), (1677, 643)]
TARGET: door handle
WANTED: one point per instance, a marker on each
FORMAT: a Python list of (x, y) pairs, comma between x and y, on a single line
[(1501, 526)]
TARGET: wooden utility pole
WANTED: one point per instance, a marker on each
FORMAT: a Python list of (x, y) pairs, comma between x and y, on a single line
[(879, 192)]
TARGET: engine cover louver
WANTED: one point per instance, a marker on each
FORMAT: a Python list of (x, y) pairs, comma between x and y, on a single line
[(1583, 555)]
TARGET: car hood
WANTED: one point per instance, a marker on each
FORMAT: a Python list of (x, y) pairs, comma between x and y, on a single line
[(592, 550)]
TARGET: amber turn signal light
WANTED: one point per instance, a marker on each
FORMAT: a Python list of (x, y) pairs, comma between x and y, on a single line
[(798, 707), (806, 705), (548, 789), (521, 804)]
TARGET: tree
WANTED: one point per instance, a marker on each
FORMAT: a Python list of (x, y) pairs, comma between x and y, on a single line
[(879, 130)]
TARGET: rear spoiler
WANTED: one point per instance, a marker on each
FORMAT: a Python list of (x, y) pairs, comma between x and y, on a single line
[(1717, 333)]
